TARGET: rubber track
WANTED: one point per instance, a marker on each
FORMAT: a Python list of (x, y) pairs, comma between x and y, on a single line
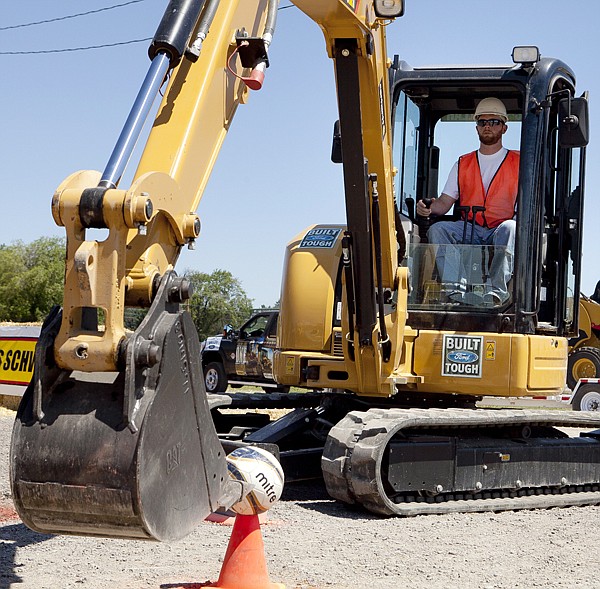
[(353, 453)]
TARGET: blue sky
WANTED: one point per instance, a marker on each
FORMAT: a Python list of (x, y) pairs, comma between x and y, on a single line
[(63, 112)]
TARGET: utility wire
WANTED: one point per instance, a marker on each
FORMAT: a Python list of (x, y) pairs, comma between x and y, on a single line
[(72, 49), (43, 22)]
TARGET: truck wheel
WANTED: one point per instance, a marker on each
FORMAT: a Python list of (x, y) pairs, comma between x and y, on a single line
[(583, 363), (587, 398), (215, 378)]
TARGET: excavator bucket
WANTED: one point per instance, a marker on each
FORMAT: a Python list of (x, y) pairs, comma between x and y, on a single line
[(129, 454)]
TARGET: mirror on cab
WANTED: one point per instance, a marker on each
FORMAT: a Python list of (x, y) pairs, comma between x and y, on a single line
[(573, 122)]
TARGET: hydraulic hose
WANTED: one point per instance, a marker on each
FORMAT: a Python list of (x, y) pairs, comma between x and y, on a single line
[(385, 342), (205, 21), (270, 22)]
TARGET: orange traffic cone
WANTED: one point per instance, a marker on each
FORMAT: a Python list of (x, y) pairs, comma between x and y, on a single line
[(244, 566)]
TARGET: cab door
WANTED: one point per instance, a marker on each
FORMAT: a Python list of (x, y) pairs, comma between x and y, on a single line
[(247, 353)]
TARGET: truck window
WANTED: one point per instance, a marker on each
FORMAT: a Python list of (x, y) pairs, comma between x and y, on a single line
[(272, 329), (255, 327)]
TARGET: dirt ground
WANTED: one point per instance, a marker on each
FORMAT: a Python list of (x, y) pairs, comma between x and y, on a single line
[(313, 542)]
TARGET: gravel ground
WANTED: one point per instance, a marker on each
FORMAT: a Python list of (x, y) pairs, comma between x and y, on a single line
[(313, 542)]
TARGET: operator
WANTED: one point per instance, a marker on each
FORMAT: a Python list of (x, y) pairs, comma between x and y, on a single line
[(487, 177)]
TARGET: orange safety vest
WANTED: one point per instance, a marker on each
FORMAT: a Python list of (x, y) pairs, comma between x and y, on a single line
[(501, 197)]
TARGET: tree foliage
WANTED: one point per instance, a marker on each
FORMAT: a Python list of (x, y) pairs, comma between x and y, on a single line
[(32, 282), (218, 299), (31, 278)]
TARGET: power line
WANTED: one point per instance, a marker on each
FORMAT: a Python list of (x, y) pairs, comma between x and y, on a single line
[(43, 22), (74, 48)]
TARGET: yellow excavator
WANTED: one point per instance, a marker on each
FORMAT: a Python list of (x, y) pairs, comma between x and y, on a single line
[(116, 436), (584, 348), (379, 321)]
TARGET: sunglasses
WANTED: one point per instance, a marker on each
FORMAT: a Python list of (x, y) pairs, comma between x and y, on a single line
[(490, 122)]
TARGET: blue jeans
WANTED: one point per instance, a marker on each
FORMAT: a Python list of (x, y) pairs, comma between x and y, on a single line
[(448, 260)]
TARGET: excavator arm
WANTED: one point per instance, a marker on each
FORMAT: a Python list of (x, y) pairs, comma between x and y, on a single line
[(356, 41), (114, 435), (151, 221)]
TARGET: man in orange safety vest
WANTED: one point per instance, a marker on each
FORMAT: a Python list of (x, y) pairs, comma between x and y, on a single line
[(484, 183)]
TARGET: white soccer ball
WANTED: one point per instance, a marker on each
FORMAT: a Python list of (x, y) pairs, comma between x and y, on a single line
[(262, 470)]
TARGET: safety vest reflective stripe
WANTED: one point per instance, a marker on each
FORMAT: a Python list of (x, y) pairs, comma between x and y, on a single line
[(501, 197)]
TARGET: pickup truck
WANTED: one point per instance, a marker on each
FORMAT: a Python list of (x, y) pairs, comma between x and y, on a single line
[(242, 357)]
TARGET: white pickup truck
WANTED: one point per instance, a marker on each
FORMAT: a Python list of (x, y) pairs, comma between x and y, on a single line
[(586, 395)]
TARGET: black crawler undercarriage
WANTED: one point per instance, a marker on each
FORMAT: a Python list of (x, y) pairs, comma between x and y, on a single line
[(423, 460)]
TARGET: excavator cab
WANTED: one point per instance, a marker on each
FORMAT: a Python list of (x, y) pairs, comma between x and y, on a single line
[(450, 285)]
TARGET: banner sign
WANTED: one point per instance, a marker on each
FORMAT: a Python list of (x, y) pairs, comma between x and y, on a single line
[(17, 350)]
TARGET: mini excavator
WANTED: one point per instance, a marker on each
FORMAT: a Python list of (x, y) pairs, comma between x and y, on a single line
[(116, 435)]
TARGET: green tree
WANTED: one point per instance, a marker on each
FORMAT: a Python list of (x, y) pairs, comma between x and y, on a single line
[(218, 299), (31, 278)]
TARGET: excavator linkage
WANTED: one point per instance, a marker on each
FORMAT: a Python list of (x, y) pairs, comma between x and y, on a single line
[(129, 454)]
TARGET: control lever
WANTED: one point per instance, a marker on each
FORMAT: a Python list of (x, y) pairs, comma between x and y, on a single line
[(475, 210), (464, 210), (424, 222)]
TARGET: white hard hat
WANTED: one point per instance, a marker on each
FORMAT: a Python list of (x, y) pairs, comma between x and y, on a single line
[(491, 106)]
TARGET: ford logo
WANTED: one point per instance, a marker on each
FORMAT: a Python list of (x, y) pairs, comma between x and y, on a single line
[(462, 357), (320, 237)]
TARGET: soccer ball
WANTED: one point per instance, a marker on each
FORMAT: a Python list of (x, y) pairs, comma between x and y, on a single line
[(262, 470)]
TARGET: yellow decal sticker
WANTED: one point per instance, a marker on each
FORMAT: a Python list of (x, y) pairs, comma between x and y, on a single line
[(16, 360), (290, 365), (353, 4), (490, 351)]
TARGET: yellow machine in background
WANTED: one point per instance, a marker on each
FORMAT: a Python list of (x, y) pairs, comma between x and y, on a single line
[(116, 435), (584, 349)]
